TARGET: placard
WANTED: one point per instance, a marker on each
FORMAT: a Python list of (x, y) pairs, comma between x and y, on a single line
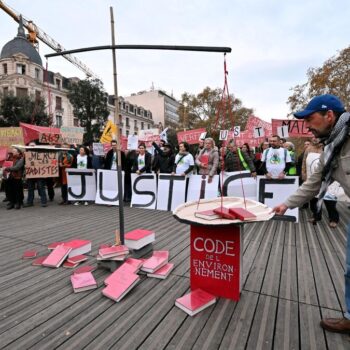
[(41, 163), (11, 136), (50, 138), (223, 135), (144, 191), (190, 136), (98, 149), (81, 184), (200, 188), (282, 131), (273, 192), (109, 132), (72, 135), (216, 260), (258, 132), (133, 142), (171, 191), (296, 127), (107, 187)]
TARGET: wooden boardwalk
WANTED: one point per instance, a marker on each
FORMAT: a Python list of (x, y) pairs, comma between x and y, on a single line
[(293, 276)]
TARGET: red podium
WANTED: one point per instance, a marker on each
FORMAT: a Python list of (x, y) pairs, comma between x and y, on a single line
[(216, 259)]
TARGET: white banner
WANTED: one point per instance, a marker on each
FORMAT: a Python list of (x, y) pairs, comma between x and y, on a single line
[(133, 142), (81, 184), (144, 191), (238, 181), (107, 187), (171, 191), (200, 188), (275, 191)]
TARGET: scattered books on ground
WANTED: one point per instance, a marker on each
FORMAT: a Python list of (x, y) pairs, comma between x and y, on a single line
[(82, 269), (29, 254), (156, 261), (135, 263), (163, 272), (39, 261), (77, 259), (83, 281), (53, 245), (115, 258), (113, 251), (79, 247), (195, 301), (120, 285), (70, 265), (57, 256), (139, 238)]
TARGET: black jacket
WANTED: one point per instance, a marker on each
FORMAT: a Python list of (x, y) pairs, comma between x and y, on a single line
[(109, 159), (148, 163)]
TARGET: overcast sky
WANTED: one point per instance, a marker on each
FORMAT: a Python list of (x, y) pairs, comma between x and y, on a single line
[(273, 43)]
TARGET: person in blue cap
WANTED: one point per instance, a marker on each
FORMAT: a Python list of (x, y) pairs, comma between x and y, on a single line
[(326, 118)]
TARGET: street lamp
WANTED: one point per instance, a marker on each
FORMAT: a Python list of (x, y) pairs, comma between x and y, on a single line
[(185, 104)]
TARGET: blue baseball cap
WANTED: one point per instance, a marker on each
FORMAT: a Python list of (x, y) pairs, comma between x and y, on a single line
[(321, 103)]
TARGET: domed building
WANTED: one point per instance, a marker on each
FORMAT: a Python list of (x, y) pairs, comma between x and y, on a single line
[(22, 74)]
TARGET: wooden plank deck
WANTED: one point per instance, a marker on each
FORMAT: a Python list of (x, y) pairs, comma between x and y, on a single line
[(293, 276)]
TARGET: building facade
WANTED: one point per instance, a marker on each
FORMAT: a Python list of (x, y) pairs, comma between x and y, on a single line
[(163, 107)]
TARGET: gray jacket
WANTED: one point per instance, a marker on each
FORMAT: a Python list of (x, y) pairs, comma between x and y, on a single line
[(311, 187), (213, 162)]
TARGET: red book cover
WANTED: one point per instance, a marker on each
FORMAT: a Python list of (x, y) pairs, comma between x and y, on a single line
[(39, 261), (79, 246), (242, 214), (57, 256), (113, 251), (205, 159), (138, 234), (195, 301), (163, 272), (87, 268), (224, 213), (156, 261), (77, 259), (29, 254), (120, 286), (70, 265), (83, 281), (7, 164), (135, 263), (123, 269), (53, 245)]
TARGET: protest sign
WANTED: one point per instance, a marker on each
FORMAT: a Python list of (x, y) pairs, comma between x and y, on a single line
[(171, 191), (107, 187), (11, 136), (81, 184), (254, 122), (50, 138), (258, 132), (200, 188), (190, 136), (282, 131), (223, 135), (98, 149), (72, 135), (133, 142), (144, 191), (234, 183), (109, 132), (41, 163), (275, 191), (296, 127)]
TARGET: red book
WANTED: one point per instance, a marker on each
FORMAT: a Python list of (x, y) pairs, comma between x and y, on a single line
[(77, 259), (123, 269), (135, 263), (57, 256), (207, 214), (156, 261), (29, 254), (83, 281), (195, 301), (7, 164), (242, 214), (53, 245), (121, 285), (163, 272), (79, 246), (137, 239), (39, 261), (105, 245), (70, 265), (115, 258), (224, 213), (113, 251), (204, 159), (87, 268)]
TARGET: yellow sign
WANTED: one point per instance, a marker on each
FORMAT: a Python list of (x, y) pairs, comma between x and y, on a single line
[(109, 133)]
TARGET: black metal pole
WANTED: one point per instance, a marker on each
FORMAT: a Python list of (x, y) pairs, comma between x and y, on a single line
[(117, 123), (144, 47)]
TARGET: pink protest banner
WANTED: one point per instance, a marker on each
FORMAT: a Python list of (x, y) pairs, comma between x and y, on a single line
[(255, 122), (31, 132), (246, 136), (50, 138), (296, 128), (190, 136)]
